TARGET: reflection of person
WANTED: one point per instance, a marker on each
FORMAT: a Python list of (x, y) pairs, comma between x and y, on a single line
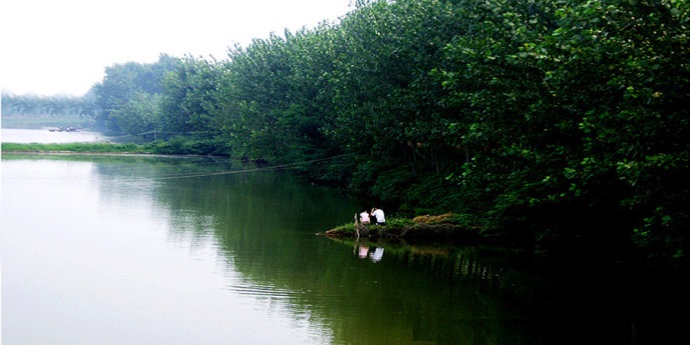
[(364, 217), (363, 251), (378, 215), (377, 254)]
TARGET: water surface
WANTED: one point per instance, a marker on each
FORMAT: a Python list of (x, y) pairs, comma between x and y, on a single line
[(136, 250), (46, 136), (156, 250)]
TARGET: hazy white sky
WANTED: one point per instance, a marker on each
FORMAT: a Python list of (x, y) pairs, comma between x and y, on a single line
[(50, 47)]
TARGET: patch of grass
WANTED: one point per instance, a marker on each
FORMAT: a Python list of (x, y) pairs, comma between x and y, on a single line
[(75, 147), (398, 222), (391, 223), (157, 147)]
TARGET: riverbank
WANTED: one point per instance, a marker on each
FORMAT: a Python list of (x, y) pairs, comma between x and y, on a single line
[(153, 148), (74, 148), (424, 228)]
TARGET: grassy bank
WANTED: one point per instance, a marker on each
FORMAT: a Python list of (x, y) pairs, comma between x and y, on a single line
[(156, 147), (419, 229), (76, 148)]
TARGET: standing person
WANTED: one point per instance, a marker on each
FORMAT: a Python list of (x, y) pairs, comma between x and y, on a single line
[(378, 215)]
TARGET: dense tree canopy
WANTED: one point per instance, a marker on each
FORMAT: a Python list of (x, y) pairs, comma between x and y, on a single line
[(129, 91), (551, 123)]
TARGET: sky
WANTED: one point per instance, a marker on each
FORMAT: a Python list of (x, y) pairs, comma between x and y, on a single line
[(61, 47)]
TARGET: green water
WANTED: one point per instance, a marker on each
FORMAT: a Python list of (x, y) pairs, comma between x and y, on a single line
[(145, 250)]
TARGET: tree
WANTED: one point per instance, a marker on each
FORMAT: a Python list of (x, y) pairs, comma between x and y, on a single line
[(189, 99), (124, 83), (575, 109), (139, 115)]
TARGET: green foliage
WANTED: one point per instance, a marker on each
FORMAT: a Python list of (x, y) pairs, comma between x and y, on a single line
[(188, 101), (182, 146), (31, 105), (129, 91), (176, 146), (74, 147), (30, 111), (138, 115), (566, 109), (549, 123), (391, 223), (275, 97)]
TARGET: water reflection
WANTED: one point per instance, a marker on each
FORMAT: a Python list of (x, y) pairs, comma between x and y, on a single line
[(47, 136), (94, 246), (212, 253), (263, 226), (361, 249), (176, 240), (376, 255)]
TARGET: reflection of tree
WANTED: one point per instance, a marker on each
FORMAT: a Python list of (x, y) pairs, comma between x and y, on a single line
[(445, 294), (264, 224)]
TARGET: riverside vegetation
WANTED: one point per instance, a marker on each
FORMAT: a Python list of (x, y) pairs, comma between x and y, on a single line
[(420, 229), (556, 126)]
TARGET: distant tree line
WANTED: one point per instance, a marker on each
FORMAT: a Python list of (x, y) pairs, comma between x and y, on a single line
[(13, 105), (554, 124)]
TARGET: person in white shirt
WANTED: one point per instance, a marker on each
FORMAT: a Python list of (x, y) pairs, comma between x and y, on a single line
[(378, 215)]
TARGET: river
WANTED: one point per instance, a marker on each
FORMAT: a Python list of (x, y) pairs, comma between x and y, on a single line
[(197, 250), (48, 136)]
